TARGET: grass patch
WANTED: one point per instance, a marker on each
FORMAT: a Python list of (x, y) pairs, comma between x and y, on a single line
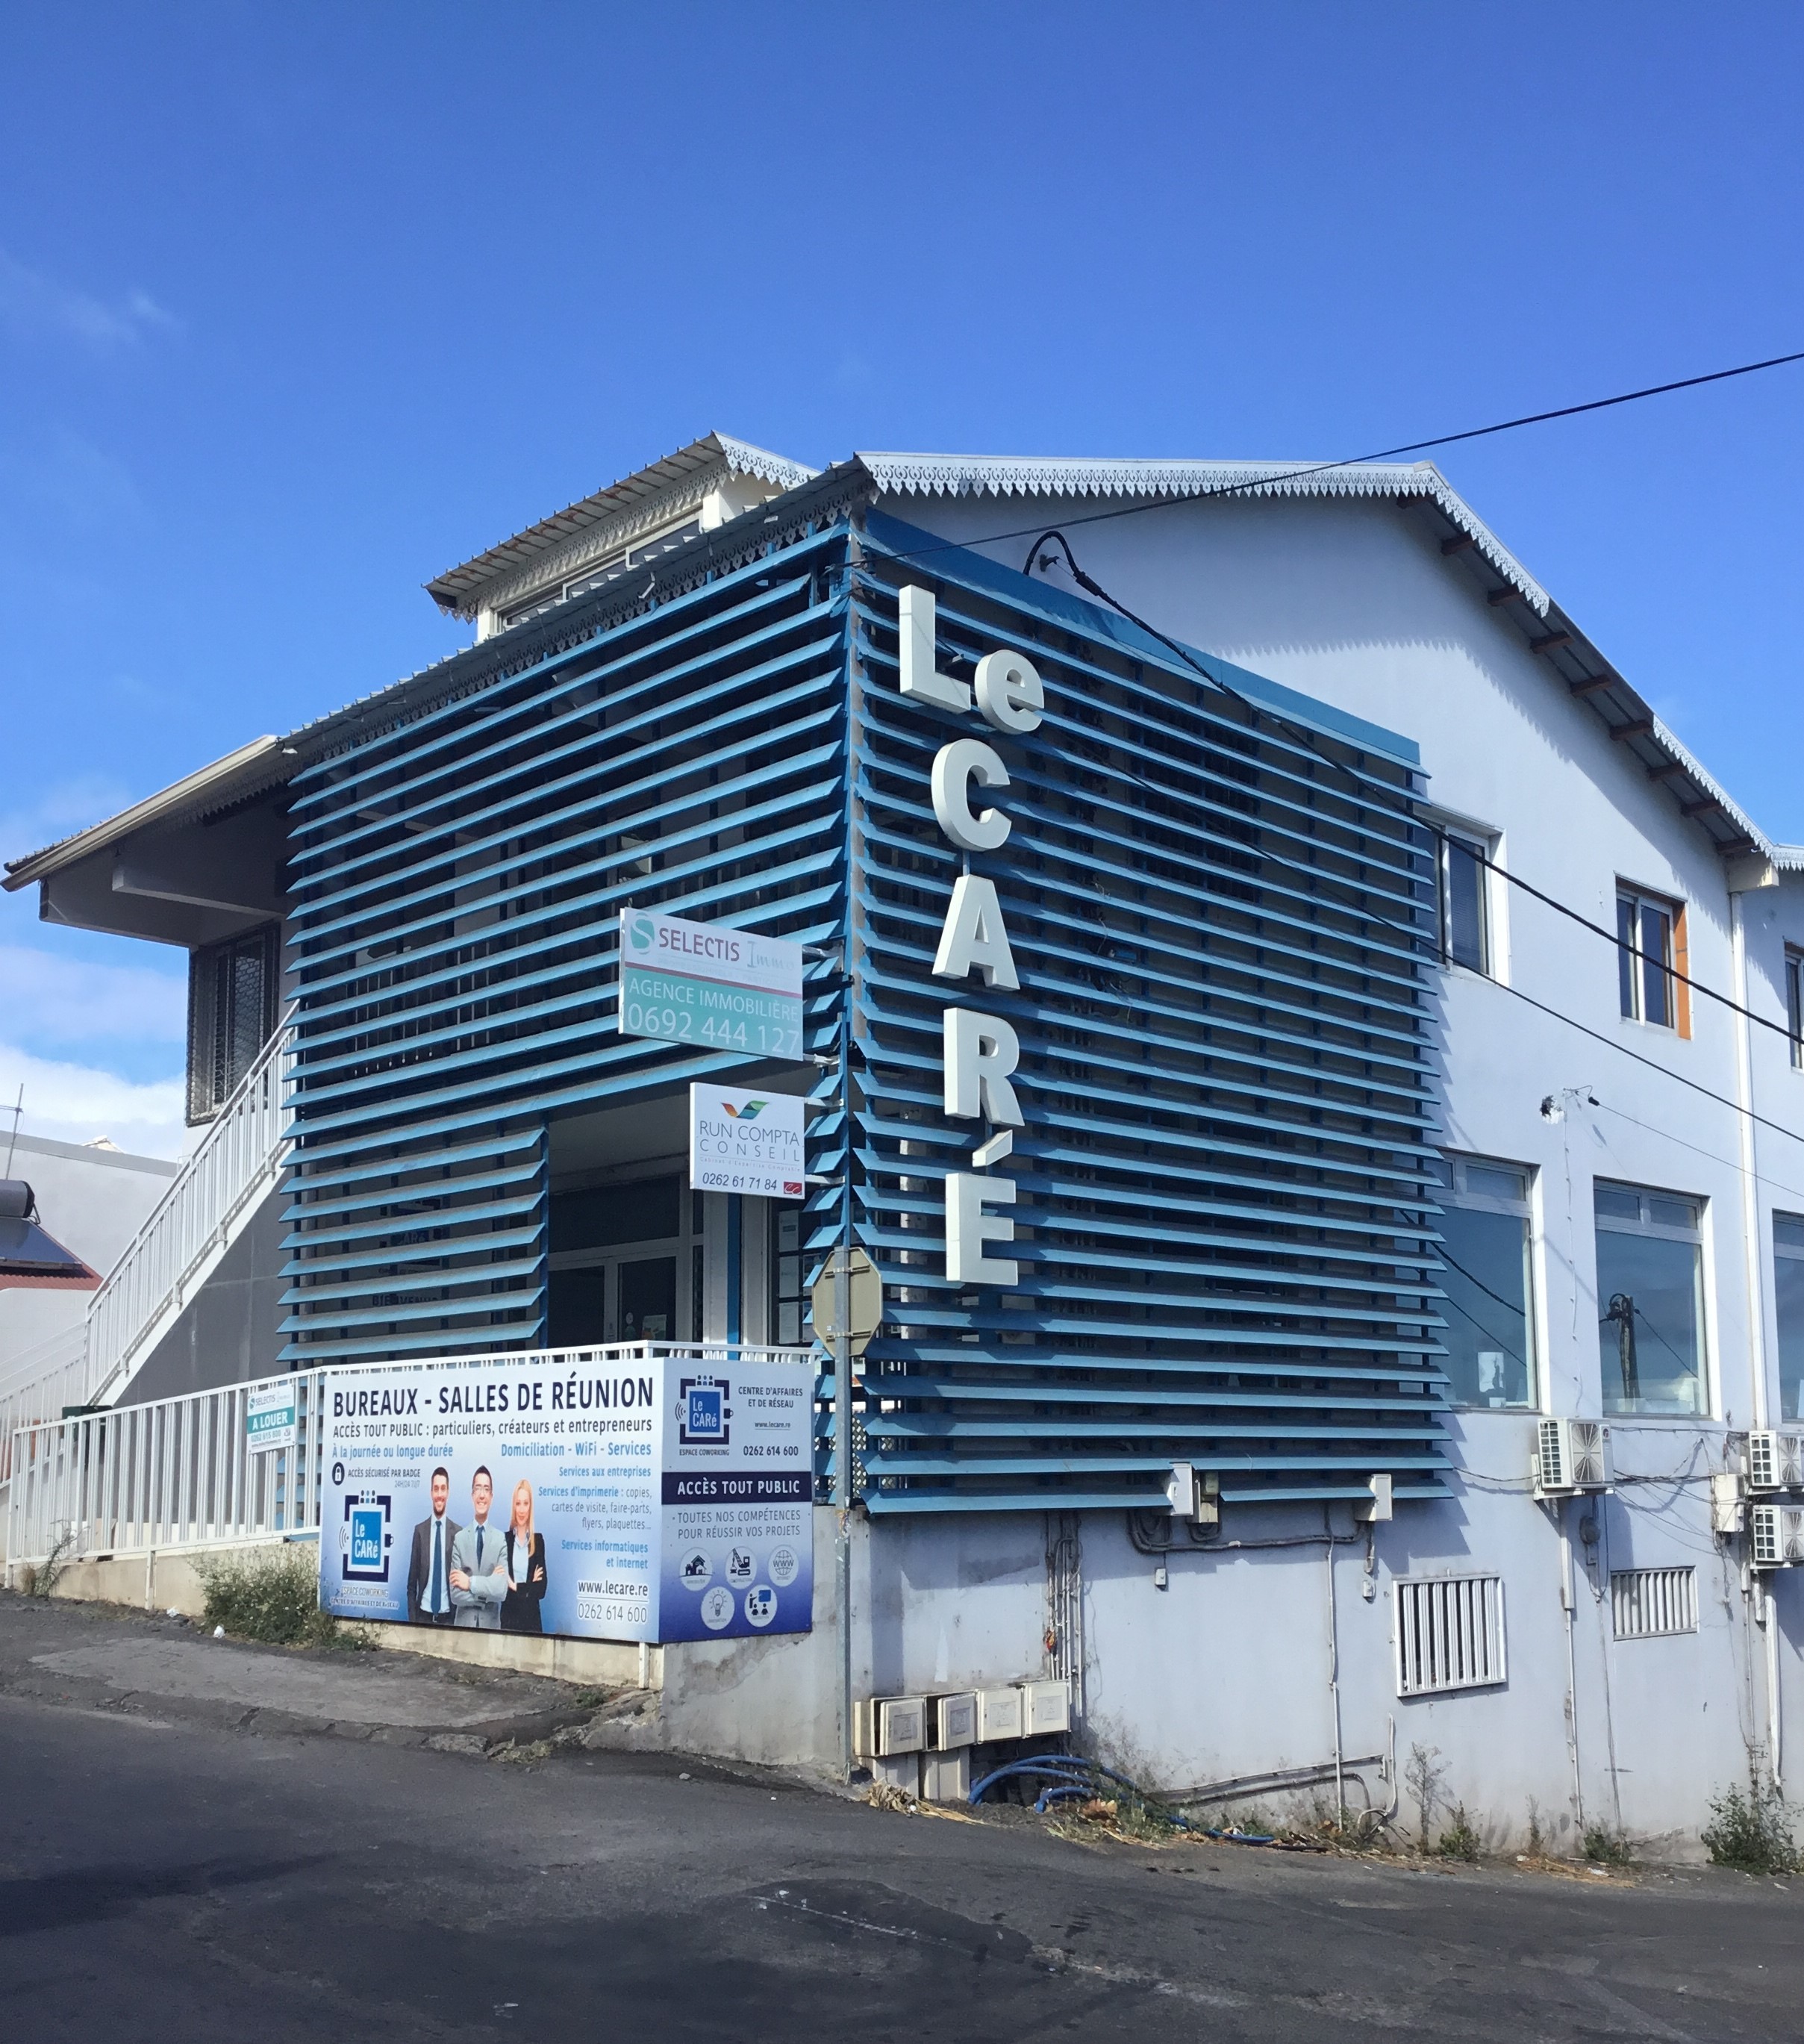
[(39, 1582), (1604, 1847), (1750, 1829), (272, 1594), (1459, 1841)]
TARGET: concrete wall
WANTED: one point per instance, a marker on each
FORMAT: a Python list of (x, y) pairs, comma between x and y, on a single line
[(230, 1332)]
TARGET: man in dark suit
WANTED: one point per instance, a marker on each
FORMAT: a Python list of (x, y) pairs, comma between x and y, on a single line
[(428, 1572)]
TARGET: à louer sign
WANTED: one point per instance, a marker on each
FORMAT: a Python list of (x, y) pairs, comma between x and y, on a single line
[(654, 1496), (702, 984)]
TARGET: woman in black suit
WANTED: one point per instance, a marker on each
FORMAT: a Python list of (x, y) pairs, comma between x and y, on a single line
[(526, 1567)]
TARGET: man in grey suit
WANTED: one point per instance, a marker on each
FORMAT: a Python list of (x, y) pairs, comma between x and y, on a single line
[(428, 1569), (479, 1562)]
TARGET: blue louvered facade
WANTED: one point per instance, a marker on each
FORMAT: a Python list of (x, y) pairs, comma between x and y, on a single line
[(1224, 1217)]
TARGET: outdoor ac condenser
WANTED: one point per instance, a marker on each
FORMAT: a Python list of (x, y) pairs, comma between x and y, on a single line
[(1776, 1461), (1571, 1455), (1778, 1531)]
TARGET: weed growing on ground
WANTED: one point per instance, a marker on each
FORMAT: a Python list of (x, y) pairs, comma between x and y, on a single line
[(1750, 1828), (1604, 1847), (272, 1594), (39, 1582), (1537, 1842), (1424, 1773), (1459, 1841)]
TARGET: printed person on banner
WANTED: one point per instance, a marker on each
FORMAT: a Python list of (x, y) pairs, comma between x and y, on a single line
[(479, 1562), (428, 1569)]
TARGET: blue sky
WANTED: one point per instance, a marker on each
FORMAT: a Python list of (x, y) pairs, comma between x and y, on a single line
[(299, 307)]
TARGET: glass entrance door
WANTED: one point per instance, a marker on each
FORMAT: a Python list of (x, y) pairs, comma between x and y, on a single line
[(645, 1299), (624, 1263)]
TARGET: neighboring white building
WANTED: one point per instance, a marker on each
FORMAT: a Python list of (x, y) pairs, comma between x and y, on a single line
[(1582, 1170), (92, 1200)]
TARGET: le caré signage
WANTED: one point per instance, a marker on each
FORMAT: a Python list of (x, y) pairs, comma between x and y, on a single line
[(979, 1051)]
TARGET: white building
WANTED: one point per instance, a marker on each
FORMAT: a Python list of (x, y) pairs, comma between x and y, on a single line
[(1621, 1141)]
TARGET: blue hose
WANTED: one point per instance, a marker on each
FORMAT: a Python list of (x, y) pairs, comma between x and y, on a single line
[(1069, 1774)]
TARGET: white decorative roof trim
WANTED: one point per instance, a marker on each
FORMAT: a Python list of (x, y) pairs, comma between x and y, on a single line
[(599, 540), (1732, 809), (1021, 475)]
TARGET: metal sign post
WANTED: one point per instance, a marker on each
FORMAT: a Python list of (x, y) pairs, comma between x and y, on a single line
[(847, 1302)]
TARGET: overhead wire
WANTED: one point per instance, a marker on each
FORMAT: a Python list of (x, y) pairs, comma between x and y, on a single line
[(1266, 482), (1359, 905)]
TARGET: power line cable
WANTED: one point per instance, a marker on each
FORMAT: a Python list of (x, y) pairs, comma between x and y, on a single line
[(1612, 937), (1384, 454), (1362, 908)]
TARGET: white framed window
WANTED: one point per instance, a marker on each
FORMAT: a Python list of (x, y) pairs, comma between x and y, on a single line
[(1788, 1300), (1450, 1634), (1487, 1275), (1462, 886), (1646, 932), (1794, 1005), (1653, 1603), (1650, 1289)]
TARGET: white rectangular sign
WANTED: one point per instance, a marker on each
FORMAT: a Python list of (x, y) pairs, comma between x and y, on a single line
[(704, 984), (745, 1142), (270, 1418)]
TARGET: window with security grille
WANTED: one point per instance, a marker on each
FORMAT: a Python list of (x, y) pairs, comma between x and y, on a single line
[(1450, 1634), (231, 990), (1650, 1603)]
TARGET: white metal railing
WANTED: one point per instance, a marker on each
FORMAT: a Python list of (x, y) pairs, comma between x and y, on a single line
[(39, 1383), (235, 1162), (177, 1473)]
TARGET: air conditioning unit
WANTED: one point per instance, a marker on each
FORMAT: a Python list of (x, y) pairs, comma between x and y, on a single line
[(952, 1721), (1778, 1531), (999, 1713), (1776, 1462), (1045, 1707), (1571, 1455), (885, 1726)]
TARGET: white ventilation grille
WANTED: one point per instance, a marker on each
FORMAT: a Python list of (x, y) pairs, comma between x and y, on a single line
[(1648, 1604), (1449, 1634)]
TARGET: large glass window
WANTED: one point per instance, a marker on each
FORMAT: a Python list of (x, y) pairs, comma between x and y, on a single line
[(1644, 960), (1465, 925), (791, 1318), (1486, 1273), (1788, 1286), (1650, 1289)]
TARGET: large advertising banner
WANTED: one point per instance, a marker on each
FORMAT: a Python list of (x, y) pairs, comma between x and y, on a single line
[(650, 1495)]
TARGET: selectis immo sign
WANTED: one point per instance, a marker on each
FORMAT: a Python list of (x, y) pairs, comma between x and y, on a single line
[(672, 1491), (701, 983)]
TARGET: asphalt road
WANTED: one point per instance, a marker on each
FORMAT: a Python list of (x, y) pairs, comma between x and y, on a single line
[(167, 1875)]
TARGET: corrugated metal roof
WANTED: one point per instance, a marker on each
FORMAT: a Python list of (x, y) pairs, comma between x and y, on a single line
[(260, 764), (1018, 475), (457, 589)]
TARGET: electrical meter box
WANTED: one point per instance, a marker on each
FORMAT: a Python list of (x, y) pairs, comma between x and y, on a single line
[(885, 1726), (952, 1721), (999, 1713), (1045, 1707)]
